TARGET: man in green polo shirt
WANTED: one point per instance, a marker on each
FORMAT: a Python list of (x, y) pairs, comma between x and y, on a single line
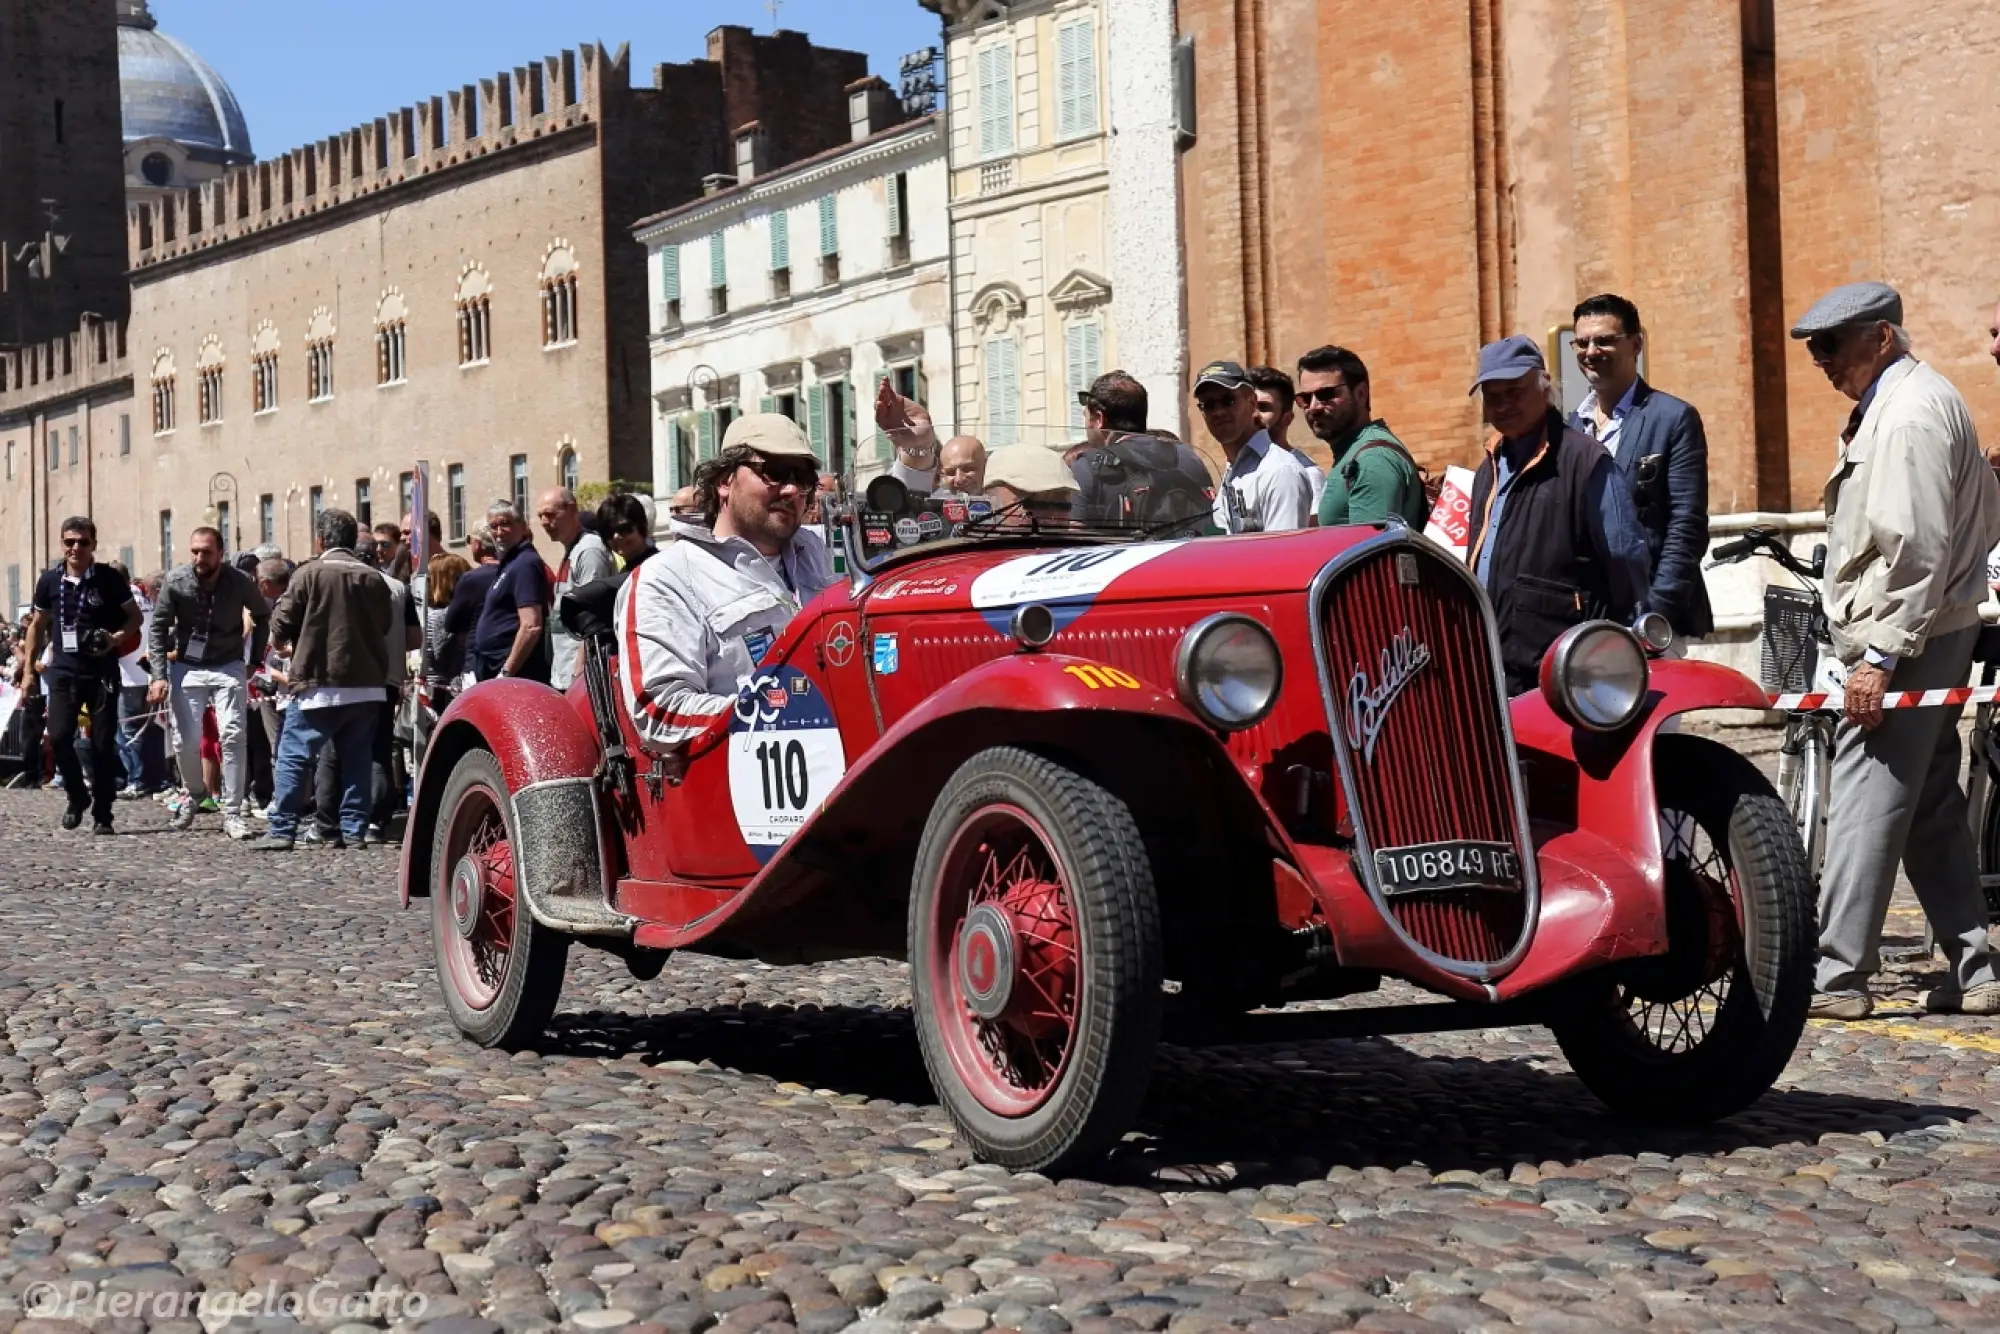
[(1372, 475)]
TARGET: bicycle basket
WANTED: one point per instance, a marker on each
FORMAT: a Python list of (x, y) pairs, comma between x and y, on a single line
[(1790, 654)]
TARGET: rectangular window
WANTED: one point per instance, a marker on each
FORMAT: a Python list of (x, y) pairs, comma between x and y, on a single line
[(406, 491), (995, 74), (899, 219), (829, 226), (389, 350), (517, 482), (264, 382), (211, 396), (222, 524), (1083, 344), (1076, 80), (455, 489), (718, 276), (267, 518), (55, 451), (475, 323), (128, 558), (364, 504), (315, 506), (163, 405), (670, 273), (909, 382), (558, 311), (10, 466), (1003, 392), (166, 539), (684, 455), (781, 241), (786, 405), (73, 451), (124, 439)]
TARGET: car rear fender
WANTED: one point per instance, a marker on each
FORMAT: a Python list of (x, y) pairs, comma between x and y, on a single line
[(1136, 739), (549, 757), (1602, 782)]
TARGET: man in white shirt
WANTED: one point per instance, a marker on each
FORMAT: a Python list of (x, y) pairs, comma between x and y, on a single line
[(586, 560), (1264, 489), (696, 620)]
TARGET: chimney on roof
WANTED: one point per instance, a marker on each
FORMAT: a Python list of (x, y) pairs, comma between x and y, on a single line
[(753, 149), (718, 182), (871, 108)]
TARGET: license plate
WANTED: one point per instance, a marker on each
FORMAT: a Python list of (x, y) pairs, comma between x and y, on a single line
[(1456, 864)]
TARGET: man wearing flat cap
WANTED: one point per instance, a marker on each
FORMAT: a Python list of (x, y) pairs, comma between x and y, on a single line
[(1264, 489), (1555, 541), (698, 618), (1911, 511)]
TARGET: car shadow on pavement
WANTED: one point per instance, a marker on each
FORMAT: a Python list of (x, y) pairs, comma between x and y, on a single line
[(1228, 1117)]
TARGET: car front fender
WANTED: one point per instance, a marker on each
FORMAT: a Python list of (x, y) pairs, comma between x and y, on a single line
[(1602, 783), (535, 734)]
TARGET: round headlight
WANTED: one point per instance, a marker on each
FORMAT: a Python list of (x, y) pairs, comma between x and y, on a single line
[(1228, 671), (1595, 676)]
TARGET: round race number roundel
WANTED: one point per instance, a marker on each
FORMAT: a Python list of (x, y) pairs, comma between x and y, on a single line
[(785, 756)]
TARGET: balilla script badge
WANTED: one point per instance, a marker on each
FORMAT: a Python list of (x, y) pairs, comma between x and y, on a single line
[(1367, 708)]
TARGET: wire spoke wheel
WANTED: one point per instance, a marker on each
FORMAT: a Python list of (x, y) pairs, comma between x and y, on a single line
[(500, 971), (1704, 1029), (1034, 960)]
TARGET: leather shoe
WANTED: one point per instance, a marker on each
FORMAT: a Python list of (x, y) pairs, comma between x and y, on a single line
[(1841, 1005), (71, 819), (1982, 999)]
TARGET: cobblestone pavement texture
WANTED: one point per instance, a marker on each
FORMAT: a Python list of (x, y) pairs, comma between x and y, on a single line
[(225, 1078)]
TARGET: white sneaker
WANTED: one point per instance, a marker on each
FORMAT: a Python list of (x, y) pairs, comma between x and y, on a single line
[(237, 827)]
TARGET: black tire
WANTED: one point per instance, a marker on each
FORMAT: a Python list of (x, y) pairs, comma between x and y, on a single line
[(1096, 1091), (1721, 1041), (530, 981)]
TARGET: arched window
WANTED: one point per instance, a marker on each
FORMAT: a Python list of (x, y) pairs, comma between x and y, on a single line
[(264, 367), (559, 295), (391, 315), (566, 464), (475, 316), (163, 392), (208, 371), (319, 355)]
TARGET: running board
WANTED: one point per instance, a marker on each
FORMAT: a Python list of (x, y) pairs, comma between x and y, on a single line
[(1264, 1027)]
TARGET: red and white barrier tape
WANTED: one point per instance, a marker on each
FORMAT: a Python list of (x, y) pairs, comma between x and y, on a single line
[(1895, 699)]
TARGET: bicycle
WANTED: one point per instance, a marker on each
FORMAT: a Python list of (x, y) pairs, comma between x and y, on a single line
[(1797, 657)]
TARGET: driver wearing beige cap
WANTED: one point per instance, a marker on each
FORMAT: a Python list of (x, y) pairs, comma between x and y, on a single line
[(696, 620), (1029, 484)]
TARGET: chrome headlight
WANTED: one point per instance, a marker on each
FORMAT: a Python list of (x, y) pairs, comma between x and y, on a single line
[(1595, 675), (1228, 671)]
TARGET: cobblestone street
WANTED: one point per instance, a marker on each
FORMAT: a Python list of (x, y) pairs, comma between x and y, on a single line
[(230, 1076)]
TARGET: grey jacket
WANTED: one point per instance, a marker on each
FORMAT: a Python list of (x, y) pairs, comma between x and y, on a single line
[(1912, 509), (177, 615)]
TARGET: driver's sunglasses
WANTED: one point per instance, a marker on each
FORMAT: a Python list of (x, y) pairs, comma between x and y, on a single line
[(79, 542), (1325, 398), (1827, 342), (785, 472)]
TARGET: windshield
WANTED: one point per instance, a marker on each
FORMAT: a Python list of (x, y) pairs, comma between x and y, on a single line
[(922, 484)]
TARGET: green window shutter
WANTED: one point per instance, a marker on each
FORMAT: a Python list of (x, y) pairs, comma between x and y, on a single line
[(996, 100), (767, 404), (896, 205), (1083, 357), (781, 240), (829, 226), (885, 449), (670, 272), (1076, 80), (816, 418), (718, 262), (704, 434), (1003, 392)]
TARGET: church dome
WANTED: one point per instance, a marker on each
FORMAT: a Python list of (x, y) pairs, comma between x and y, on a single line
[(170, 93)]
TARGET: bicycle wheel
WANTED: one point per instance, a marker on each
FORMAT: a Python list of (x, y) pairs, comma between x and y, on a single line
[(1803, 771)]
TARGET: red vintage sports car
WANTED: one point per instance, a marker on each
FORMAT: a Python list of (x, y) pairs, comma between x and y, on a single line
[(1089, 781)]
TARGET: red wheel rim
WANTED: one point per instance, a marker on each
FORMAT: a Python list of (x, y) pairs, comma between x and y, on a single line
[(1004, 961), (475, 909)]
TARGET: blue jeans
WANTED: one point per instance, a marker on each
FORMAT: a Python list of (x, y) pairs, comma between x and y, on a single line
[(351, 730)]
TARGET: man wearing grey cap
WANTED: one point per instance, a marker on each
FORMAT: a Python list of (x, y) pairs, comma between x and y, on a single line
[(1554, 540), (1263, 489), (1912, 509), (697, 619)]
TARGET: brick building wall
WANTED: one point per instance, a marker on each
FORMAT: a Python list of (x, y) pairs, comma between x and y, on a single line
[(60, 141), (1409, 184)]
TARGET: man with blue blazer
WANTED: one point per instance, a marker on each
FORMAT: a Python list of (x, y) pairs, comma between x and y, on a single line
[(1661, 451)]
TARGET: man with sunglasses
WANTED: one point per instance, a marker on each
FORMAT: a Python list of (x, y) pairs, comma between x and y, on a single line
[(1372, 477), (1263, 489), (1661, 451), (1911, 511), (80, 609), (697, 619)]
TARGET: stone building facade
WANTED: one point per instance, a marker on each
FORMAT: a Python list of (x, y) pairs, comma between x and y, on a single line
[(800, 290), (455, 282)]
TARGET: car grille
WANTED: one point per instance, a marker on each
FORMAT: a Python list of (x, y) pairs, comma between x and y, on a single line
[(1439, 766)]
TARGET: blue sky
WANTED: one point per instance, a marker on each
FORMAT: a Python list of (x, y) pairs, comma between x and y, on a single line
[(305, 69)]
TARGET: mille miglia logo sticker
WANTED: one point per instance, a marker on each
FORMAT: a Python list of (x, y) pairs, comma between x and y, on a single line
[(1368, 703)]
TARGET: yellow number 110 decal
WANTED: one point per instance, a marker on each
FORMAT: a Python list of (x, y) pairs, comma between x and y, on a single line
[(1104, 678)]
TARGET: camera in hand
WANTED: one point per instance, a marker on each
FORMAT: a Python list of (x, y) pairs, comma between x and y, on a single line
[(96, 643)]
